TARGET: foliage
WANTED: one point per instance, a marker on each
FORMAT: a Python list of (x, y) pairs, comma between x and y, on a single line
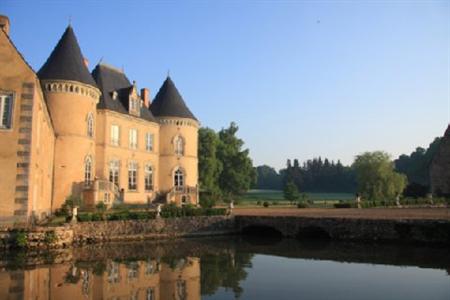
[(266, 204), (376, 177), (238, 174), (268, 178), (290, 191), (209, 167), (71, 202), (302, 205), (100, 206), (19, 238), (50, 237), (172, 211), (206, 200), (317, 175), (225, 169), (342, 204), (416, 166)]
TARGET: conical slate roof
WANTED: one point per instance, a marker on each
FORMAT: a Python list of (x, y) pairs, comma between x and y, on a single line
[(110, 79), (447, 132), (169, 103), (66, 61)]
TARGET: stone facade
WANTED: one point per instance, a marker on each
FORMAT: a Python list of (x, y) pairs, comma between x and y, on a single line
[(440, 168), (57, 138)]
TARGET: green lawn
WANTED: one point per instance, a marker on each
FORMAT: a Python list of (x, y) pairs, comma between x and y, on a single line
[(274, 195)]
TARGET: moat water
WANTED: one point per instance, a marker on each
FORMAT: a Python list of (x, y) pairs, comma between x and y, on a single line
[(228, 268)]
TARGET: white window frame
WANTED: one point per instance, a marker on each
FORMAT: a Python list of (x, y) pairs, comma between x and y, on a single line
[(132, 176), (114, 171), (179, 145), (6, 111), (148, 177), (149, 138), (90, 125), (178, 178), (88, 171), (133, 138), (115, 140)]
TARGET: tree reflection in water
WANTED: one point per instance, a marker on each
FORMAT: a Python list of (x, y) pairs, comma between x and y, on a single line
[(180, 269)]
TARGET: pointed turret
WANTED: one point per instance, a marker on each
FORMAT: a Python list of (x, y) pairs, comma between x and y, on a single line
[(169, 103), (66, 61), (447, 132)]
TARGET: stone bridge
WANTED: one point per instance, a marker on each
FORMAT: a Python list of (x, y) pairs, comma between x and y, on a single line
[(424, 231)]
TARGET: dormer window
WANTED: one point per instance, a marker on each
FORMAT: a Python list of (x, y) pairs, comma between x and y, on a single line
[(114, 95), (134, 107)]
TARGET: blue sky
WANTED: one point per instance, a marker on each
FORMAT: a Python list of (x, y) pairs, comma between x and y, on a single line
[(300, 78)]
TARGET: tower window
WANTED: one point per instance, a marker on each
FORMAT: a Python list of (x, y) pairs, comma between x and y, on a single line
[(6, 104), (114, 172), (149, 142), (132, 176), (178, 179), (87, 171), (179, 145), (90, 125), (115, 133), (133, 138), (148, 178)]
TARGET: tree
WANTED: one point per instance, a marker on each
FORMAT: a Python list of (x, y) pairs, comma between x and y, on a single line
[(267, 178), (238, 174), (290, 191), (209, 167), (376, 177)]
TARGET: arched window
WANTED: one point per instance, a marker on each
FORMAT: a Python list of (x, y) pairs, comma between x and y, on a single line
[(88, 171), (114, 172), (179, 145), (90, 125), (148, 177), (178, 179)]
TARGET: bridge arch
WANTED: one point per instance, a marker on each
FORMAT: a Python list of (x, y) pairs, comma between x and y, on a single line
[(261, 231)]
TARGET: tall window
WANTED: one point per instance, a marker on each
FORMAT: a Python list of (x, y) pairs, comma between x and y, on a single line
[(132, 176), (179, 145), (150, 294), (178, 179), (90, 125), (114, 172), (88, 171), (149, 141), (133, 138), (148, 177), (115, 134), (6, 103)]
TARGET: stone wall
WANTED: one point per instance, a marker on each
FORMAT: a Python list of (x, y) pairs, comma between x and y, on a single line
[(416, 231), (92, 232)]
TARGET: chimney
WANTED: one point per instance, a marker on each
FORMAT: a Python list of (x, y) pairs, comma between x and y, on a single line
[(145, 95), (86, 62), (4, 24)]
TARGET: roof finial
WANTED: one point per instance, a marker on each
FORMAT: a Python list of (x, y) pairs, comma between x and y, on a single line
[(70, 20), (168, 73)]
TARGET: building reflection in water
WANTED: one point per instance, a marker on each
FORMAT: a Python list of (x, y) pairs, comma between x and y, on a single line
[(178, 279)]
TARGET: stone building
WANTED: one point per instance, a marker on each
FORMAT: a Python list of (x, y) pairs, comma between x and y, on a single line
[(440, 168), (68, 132)]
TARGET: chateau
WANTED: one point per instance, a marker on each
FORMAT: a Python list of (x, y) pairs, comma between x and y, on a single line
[(67, 132)]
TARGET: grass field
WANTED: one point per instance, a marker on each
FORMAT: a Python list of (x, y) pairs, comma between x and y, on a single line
[(277, 196)]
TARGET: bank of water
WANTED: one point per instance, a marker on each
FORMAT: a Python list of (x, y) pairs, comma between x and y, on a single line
[(228, 267)]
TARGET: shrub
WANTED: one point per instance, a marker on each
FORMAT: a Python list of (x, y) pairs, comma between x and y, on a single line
[(50, 237), (266, 204), (302, 205), (274, 203), (86, 217), (258, 202), (20, 239), (343, 205), (207, 201)]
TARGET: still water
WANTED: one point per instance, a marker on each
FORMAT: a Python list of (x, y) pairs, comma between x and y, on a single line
[(228, 268)]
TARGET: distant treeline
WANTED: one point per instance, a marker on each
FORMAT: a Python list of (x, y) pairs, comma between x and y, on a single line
[(314, 175), (323, 175)]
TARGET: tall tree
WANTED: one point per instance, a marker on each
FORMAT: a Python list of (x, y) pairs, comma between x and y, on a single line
[(267, 178), (209, 167), (238, 174), (376, 177)]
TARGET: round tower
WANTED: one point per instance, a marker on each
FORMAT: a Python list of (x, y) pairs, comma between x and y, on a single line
[(72, 96), (178, 146)]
